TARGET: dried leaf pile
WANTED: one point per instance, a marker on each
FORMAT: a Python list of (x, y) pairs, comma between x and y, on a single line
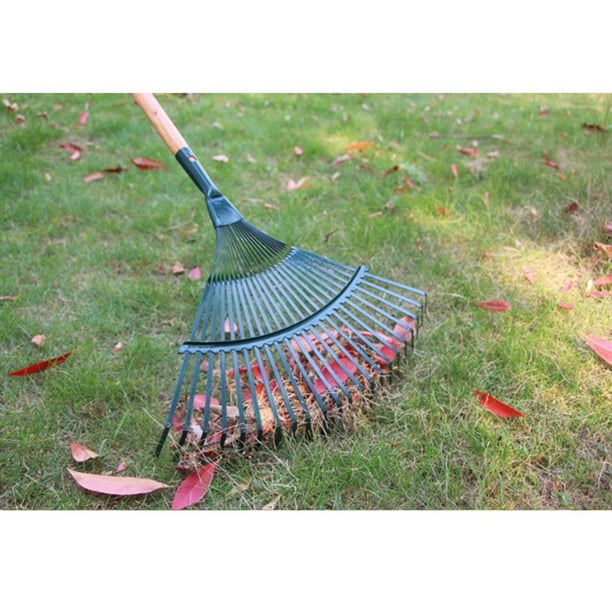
[(326, 384)]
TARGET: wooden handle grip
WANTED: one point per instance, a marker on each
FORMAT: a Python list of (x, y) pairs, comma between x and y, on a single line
[(160, 121)]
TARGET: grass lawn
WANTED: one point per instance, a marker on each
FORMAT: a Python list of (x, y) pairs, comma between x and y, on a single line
[(469, 197)]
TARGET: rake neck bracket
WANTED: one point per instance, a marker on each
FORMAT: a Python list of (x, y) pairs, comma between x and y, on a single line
[(222, 212)]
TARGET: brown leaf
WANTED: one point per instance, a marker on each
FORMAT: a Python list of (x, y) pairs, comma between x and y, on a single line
[(178, 268), (593, 128), (272, 505), (20, 119), (10, 106), (145, 163), (572, 208), (38, 340), (493, 305), (443, 211), (604, 248), (81, 453)]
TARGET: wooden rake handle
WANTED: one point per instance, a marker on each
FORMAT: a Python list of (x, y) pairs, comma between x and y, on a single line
[(167, 131)]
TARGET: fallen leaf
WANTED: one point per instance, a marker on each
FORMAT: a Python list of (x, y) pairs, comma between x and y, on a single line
[(605, 248), (81, 453), (572, 208), (38, 340), (378, 213), (565, 305), (195, 273), (73, 149), (530, 274), (335, 176), (241, 487), (443, 211), (470, 152), (221, 158), (410, 184), (341, 159), (228, 326), (115, 485), (297, 151), (20, 119), (602, 281), (568, 285), (495, 406), (117, 347), (194, 487), (251, 159), (293, 185), (83, 118), (341, 370), (608, 228), (145, 163), (543, 111), (593, 128), (602, 347), (115, 170), (548, 161), (598, 295), (454, 170), (485, 199), (358, 146), (10, 106), (121, 467), (177, 268), (392, 169), (7, 298), (95, 176), (493, 305), (41, 365), (404, 328), (47, 176), (272, 505)]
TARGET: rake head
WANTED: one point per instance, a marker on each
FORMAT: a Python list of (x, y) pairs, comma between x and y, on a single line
[(283, 339)]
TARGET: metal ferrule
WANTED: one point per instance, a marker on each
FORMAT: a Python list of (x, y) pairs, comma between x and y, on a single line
[(222, 212)]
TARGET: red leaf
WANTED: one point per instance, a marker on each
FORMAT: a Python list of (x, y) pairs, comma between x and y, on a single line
[(608, 228), (602, 347), (495, 406), (81, 453), (338, 370), (567, 286), (410, 184), (565, 305), (454, 170), (404, 328), (83, 118), (221, 158), (604, 248), (41, 365), (115, 485), (292, 185), (493, 305), (358, 146), (116, 170), (73, 149), (95, 176), (603, 280), (469, 152), (551, 164), (194, 273), (443, 211), (297, 151), (194, 487), (145, 163)]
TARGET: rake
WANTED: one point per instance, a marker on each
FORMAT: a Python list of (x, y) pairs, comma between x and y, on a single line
[(283, 339)]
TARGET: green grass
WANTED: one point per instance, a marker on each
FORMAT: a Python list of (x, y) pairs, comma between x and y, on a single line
[(83, 263)]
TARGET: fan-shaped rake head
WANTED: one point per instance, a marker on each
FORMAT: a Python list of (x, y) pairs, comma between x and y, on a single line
[(284, 339)]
